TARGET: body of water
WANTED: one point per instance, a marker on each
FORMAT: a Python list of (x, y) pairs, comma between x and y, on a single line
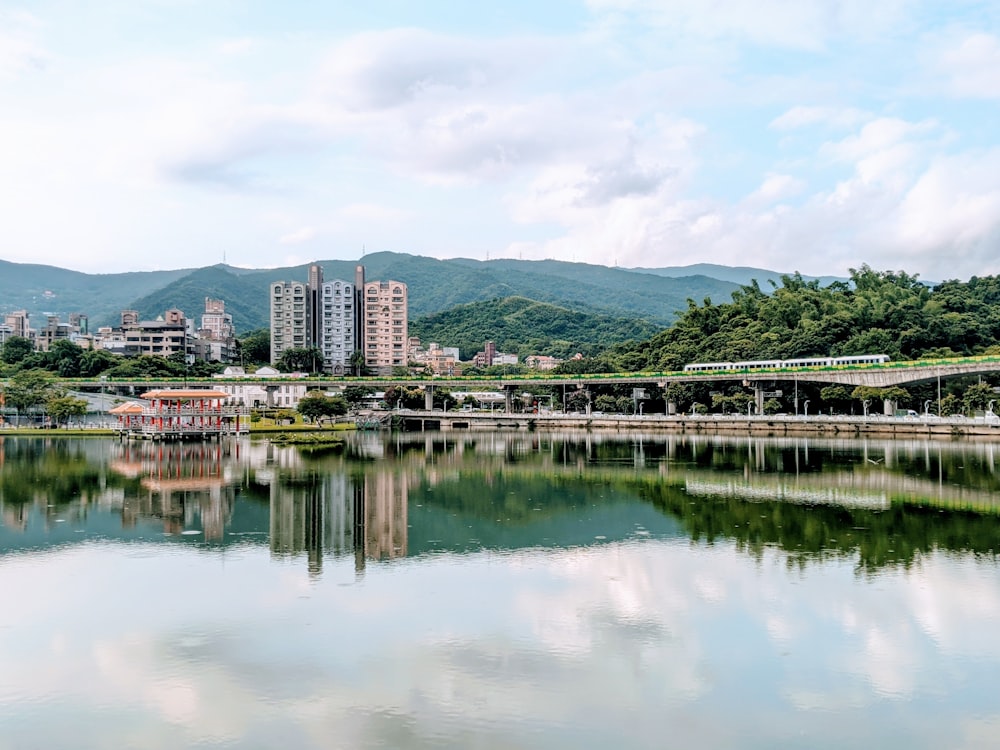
[(499, 591)]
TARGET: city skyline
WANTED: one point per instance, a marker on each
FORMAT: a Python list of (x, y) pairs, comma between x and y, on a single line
[(813, 136)]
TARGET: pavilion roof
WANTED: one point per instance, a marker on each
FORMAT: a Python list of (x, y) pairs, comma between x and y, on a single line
[(184, 394), (129, 407)]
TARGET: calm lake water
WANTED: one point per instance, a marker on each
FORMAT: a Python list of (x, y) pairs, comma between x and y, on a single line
[(500, 591)]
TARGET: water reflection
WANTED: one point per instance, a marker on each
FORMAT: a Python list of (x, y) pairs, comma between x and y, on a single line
[(499, 591), (390, 496)]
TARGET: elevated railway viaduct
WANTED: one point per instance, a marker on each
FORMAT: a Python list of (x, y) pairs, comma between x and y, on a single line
[(760, 379)]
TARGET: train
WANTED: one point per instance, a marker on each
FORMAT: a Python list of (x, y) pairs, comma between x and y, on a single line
[(775, 364)]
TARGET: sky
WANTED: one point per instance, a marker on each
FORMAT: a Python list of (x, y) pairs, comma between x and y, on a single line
[(792, 135)]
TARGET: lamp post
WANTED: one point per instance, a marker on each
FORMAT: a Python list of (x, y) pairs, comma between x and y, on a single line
[(805, 407), (927, 407), (104, 406)]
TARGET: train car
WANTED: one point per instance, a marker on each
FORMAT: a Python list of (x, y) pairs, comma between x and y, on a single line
[(774, 364), (808, 362), (710, 366), (759, 364), (862, 359)]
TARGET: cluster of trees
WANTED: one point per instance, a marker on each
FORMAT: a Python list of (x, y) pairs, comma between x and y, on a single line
[(523, 326), (68, 360), (28, 390), (880, 312), (877, 312)]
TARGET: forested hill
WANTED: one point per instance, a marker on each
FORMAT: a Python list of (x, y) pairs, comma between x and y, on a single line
[(875, 313), (522, 326), (434, 286)]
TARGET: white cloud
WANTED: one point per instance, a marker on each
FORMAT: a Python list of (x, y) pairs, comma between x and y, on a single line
[(20, 49), (801, 116), (794, 24), (972, 66), (298, 236)]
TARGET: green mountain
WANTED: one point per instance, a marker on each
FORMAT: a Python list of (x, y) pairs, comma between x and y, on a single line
[(43, 290), (523, 326), (743, 275), (434, 286)]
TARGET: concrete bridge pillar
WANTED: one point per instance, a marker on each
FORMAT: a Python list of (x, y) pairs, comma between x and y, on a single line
[(429, 398), (269, 391), (758, 397), (508, 399)]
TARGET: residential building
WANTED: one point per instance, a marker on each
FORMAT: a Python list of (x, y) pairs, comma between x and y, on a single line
[(163, 337), (289, 327), (338, 340), (541, 362), (486, 356), (216, 339), (442, 361), (17, 322), (52, 331), (386, 322)]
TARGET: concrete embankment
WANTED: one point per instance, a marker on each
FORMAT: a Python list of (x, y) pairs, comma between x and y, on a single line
[(777, 426)]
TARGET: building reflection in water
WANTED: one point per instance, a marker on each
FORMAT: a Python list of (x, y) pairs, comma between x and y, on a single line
[(334, 514), (180, 483)]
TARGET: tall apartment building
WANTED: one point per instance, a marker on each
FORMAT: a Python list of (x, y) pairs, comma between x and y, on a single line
[(17, 322), (341, 319), (337, 331), (289, 329), (216, 340), (164, 337), (386, 323)]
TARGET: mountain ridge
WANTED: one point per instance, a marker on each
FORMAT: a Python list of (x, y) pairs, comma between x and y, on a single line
[(435, 285)]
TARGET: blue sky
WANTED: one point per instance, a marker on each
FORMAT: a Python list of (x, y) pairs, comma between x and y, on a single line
[(809, 135)]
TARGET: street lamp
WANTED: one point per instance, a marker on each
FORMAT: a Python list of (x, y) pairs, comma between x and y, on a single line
[(864, 405), (104, 405), (805, 407), (927, 407)]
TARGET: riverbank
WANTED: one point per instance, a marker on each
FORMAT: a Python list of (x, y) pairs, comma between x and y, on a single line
[(766, 426)]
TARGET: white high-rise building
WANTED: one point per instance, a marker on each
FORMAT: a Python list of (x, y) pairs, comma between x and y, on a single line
[(337, 332), (289, 317)]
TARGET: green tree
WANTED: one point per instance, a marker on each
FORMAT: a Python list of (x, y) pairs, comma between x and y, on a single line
[(316, 406), (28, 389), (93, 362), (255, 347), (359, 365), (606, 403), (577, 400), (355, 395), (304, 359), (64, 358), (977, 397), (15, 349), (837, 396), (64, 408), (950, 404), (772, 406)]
